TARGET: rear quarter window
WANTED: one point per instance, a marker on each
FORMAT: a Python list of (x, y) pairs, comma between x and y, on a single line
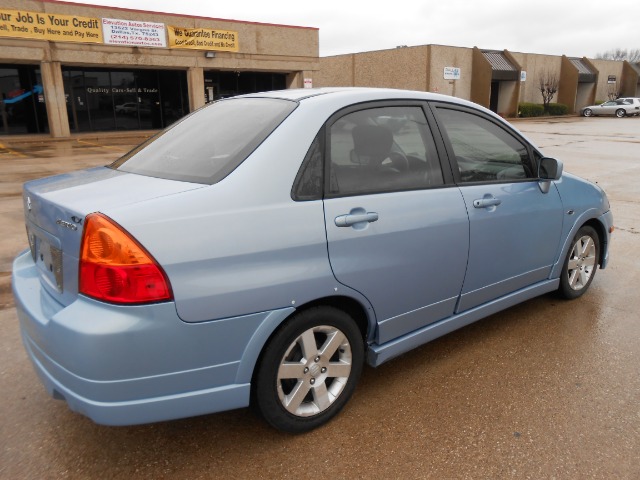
[(210, 143)]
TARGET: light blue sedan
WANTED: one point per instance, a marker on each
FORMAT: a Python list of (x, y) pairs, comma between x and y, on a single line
[(264, 248)]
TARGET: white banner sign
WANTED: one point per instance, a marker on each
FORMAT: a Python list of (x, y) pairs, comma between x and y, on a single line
[(451, 73), (134, 33)]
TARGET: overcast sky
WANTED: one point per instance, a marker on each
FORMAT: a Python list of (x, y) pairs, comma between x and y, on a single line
[(570, 27)]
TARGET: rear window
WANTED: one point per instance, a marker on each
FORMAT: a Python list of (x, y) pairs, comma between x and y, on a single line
[(210, 143)]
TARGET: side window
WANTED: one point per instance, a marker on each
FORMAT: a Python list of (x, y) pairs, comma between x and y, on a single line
[(484, 151), (308, 183), (382, 150)]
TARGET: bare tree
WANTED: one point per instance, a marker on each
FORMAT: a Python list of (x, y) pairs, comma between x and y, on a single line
[(620, 54), (548, 86), (613, 91)]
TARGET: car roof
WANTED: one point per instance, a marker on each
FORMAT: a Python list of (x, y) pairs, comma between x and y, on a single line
[(351, 95), (303, 93)]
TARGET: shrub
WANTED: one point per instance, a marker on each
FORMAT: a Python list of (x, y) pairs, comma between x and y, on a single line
[(558, 109), (530, 110)]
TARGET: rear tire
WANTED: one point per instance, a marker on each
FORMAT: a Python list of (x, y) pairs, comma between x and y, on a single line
[(308, 370), (581, 263), (620, 113)]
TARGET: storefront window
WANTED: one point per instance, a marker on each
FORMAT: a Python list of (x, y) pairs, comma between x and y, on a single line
[(125, 100), (102, 100), (228, 84), (22, 107)]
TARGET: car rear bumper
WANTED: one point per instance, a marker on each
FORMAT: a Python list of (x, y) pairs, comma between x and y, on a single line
[(125, 365)]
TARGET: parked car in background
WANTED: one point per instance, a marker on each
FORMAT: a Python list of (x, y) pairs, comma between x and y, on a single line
[(261, 249), (620, 107), (130, 108)]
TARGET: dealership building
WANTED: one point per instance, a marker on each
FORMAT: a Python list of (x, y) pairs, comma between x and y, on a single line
[(69, 68)]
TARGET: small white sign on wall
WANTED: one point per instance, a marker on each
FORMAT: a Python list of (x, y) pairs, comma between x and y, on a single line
[(451, 73), (308, 83), (523, 76)]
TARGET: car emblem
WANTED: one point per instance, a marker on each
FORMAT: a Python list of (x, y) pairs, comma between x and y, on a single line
[(68, 225)]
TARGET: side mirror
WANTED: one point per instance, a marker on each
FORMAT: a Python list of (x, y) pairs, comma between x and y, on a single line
[(549, 169)]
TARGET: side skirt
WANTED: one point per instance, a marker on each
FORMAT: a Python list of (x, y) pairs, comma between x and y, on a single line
[(378, 354)]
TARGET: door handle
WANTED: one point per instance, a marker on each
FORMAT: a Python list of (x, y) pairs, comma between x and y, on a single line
[(487, 202), (353, 218)]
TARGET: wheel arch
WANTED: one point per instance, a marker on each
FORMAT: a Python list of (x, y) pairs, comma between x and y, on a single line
[(602, 236), (600, 229), (361, 314)]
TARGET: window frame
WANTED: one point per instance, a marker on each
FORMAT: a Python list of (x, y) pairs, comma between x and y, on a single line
[(533, 161), (429, 126)]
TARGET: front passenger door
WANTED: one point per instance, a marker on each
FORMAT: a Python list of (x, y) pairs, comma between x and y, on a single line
[(514, 226)]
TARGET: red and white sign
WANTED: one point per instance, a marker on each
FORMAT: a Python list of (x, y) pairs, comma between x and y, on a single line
[(134, 33)]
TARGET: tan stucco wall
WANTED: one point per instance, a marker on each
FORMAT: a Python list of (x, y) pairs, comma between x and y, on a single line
[(336, 71), (396, 68), (443, 56), (630, 81), (413, 68), (481, 78), (404, 68), (606, 68), (535, 65)]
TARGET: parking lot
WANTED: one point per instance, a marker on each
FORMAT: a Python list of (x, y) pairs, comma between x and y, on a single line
[(547, 389)]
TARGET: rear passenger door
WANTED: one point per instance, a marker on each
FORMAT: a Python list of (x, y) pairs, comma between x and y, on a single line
[(397, 231), (514, 226)]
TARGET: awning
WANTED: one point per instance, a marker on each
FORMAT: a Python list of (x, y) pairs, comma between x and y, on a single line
[(585, 75), (501, 67)]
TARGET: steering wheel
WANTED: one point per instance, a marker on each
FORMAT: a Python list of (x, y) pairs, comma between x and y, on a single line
[(398, 162)]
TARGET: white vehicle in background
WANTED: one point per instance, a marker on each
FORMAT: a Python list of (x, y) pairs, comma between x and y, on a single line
[(621, 107)]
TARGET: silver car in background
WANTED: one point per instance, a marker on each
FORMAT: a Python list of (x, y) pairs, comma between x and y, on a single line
[(620, 107)]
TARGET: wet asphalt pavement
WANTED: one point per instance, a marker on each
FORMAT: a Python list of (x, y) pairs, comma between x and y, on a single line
[(546, 389)]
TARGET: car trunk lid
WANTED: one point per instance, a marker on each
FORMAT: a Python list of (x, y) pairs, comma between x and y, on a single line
[(55, 209)]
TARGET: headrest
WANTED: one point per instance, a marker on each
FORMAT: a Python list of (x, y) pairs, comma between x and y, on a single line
[(372, 140)]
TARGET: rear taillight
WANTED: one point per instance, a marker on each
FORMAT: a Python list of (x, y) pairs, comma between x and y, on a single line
[(114, 267)]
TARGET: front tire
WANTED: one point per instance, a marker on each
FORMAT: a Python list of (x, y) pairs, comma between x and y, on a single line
[(581, 263), (587, 112), (620, 113), (308, 370)]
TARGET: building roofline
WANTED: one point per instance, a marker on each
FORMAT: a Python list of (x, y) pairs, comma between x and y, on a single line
[(181, 15)]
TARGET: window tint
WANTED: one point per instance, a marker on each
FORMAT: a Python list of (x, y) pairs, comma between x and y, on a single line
[(308, 184), (381, 150), (209, 144), (484, 151)]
